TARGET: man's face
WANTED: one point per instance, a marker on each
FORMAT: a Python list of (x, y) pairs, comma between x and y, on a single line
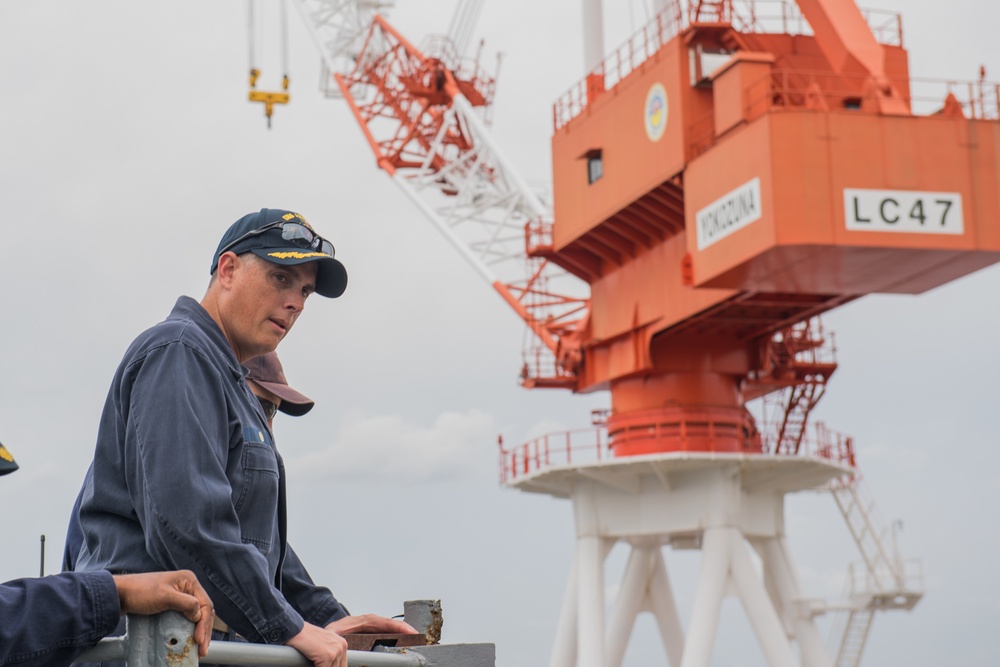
[(263, 303), (263, 394)]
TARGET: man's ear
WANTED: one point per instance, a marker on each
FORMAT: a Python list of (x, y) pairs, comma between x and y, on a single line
[(228, 264)]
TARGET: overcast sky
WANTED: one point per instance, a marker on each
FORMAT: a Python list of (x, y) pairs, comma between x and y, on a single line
[(127, 148)]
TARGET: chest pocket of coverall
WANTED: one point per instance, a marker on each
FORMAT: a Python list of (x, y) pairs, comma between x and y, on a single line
[(257, 505)]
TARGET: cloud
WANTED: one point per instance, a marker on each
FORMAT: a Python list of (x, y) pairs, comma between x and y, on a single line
[(389, 447)]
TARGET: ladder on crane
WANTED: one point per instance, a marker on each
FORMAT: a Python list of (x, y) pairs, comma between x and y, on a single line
[(882, 581), (802, 399), (854, 638), (796, 364)]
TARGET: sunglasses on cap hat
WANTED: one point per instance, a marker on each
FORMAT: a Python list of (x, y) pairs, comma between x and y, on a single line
[(270, 408), (294, 233)]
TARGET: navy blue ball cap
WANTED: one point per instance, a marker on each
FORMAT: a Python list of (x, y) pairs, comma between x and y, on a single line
[(7, 464), (262, 234)]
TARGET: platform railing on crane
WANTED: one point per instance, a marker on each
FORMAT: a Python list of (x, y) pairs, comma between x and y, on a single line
[(621, 62), (794, 90), (751, 16), (785, 17), (593, 445)]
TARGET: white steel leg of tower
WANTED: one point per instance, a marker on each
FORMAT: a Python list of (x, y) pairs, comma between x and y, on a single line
[(645, 587), (763, 617), (730, 512), (631, 595), (664, 608), (712, 580), (788, 598), (590, 552), (564, 647)]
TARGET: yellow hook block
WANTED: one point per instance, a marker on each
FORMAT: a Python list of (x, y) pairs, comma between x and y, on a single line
[(266, 98)]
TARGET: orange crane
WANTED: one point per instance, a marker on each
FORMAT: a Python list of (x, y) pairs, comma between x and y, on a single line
[(735, 170), (674, 262)]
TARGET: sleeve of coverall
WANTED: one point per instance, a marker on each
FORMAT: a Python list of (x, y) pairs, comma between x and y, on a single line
[(49, 621), (316, 603), (177, 448)]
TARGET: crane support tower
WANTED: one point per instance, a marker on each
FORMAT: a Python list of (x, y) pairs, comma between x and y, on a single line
[(732, 172)]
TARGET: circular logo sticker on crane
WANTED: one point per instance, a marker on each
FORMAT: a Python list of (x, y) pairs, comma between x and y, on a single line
[(655, 112)]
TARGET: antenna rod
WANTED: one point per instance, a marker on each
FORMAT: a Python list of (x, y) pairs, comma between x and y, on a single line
[(41, 568)]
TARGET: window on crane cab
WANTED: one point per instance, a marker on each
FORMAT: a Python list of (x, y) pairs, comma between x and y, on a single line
[(595, 164), (703, 61)]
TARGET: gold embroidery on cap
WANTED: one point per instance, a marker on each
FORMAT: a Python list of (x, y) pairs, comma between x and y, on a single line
[(296, 255)]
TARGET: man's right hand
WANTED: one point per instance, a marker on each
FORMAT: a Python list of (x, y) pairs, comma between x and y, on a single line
[(323, 647), (153, 592)]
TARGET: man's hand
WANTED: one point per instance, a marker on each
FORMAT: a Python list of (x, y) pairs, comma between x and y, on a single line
[(153, 592), (322, 646), (351, 625)]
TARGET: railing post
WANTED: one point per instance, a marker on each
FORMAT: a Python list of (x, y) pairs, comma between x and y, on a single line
[(164, 640)]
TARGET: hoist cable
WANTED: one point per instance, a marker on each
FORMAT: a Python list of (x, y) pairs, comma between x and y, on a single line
[(250, 34), (284, 38)]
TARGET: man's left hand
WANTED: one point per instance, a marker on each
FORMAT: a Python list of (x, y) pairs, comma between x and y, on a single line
[(369, 623)]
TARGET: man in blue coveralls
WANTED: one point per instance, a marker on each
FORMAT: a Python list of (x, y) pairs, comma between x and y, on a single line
[(47, 622), (185, 472)]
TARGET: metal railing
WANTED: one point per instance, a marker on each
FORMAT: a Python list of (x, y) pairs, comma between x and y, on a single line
[(592, 445), (785, 17), (621, 62), (831, 445), (867, 588), (787, 90), (167, 640), (799, 88), (748, 16), (584, 445)]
